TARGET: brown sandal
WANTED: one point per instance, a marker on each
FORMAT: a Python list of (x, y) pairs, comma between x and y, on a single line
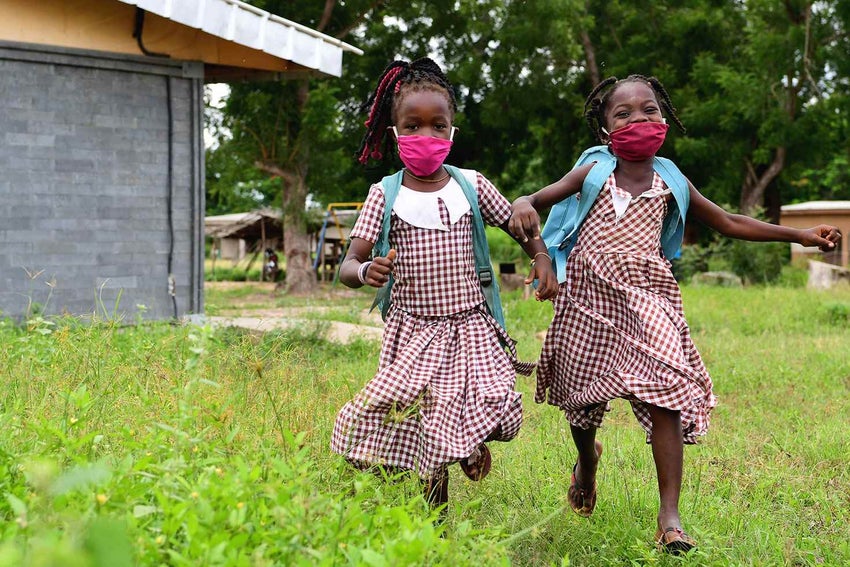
[(477, 465), (583, 501), (674, 541)]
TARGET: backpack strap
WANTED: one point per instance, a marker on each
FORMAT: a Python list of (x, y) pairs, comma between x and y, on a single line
[(489, 286), (483, 267), (565, 218), (391, 185), (673, 229)]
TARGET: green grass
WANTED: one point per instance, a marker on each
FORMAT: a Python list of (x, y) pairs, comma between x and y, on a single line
[(161, 445)]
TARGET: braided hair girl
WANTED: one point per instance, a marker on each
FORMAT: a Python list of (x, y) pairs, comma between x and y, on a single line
[(618, 329), (399, 79), (445, 384)]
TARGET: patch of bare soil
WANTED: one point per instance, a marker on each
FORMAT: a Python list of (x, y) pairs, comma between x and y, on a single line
[(243, 312)]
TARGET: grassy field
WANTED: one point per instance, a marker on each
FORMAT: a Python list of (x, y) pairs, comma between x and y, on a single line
[(161, 445)]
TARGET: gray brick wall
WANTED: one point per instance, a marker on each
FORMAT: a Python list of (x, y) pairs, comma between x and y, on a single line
[(84, 192)]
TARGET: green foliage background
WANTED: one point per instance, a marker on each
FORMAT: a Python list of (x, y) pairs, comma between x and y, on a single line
[(522, 70)]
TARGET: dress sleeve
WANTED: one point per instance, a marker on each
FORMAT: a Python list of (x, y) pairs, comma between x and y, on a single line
[(371, 217), (495, 208)]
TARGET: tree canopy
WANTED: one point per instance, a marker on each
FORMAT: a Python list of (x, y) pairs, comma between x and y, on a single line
[(761, 85)]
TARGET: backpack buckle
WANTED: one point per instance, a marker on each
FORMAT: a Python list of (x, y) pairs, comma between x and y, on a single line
[(485, 276)]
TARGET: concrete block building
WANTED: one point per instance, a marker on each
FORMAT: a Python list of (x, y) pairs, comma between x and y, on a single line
[(101, 144)]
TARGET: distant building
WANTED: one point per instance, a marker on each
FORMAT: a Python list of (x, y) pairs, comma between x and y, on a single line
[(805, 215), (101, 119), (238, 234)]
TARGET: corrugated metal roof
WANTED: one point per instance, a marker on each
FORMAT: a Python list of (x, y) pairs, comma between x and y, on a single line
[(255, 28)]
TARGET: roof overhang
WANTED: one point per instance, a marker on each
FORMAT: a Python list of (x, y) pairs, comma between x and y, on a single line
[(254, 28), (232, 39), (242, 225)]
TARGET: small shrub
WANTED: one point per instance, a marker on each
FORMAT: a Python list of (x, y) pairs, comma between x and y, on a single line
[(692, 260), (757, 262), (793, 276), (837, 313)]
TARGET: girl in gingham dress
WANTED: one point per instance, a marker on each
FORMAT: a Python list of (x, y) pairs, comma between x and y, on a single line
[(619, 330), (445, 383)]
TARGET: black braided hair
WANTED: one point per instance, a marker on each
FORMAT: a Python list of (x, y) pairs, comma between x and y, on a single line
[(597, 101), (397, 80)]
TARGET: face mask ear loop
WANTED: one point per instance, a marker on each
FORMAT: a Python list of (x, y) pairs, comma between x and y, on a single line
[(452, 135)]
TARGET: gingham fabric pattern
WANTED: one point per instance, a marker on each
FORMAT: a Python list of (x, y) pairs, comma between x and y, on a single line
[(619, 329), (444, 382), (434, 269), (444, 385)]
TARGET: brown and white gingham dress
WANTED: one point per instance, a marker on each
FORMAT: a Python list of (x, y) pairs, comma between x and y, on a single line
[(619, 329), (444, 383)]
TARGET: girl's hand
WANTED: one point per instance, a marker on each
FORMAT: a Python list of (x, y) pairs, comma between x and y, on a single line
[(824, 236), (524, 222), (547, 281), (379, 270)]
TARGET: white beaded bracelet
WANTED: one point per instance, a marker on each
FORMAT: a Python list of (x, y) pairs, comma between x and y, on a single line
[(361, 271)]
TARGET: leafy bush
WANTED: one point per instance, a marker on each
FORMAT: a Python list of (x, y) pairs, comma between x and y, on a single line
[(793, 276), (837, 313), (757, 262), (692, 260), (754, 262)]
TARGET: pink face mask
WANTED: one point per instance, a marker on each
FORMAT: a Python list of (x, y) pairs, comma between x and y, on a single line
[(638, 141), (423, 155)]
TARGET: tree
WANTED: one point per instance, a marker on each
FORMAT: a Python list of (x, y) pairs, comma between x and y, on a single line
[(761, 86), (767, 104), (285, 130), (755, 80)]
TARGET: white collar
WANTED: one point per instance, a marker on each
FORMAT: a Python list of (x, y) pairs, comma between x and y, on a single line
[(423, 210), (622, 198)]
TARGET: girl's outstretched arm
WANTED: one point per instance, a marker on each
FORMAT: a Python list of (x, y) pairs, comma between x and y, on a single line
[(525, 220), (747, 228)]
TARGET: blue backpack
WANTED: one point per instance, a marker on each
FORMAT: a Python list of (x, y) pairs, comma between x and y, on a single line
[(561, 229), (489, 287)]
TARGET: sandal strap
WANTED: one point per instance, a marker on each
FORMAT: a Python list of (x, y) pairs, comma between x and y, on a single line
[(662, 539)]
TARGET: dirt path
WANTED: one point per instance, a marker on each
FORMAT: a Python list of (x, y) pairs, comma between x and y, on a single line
[(248, 312)]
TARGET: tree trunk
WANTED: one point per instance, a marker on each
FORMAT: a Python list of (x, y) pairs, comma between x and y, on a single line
[(772, 203), (296, 242), (590, 58), (300, 277), (755, 184)]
